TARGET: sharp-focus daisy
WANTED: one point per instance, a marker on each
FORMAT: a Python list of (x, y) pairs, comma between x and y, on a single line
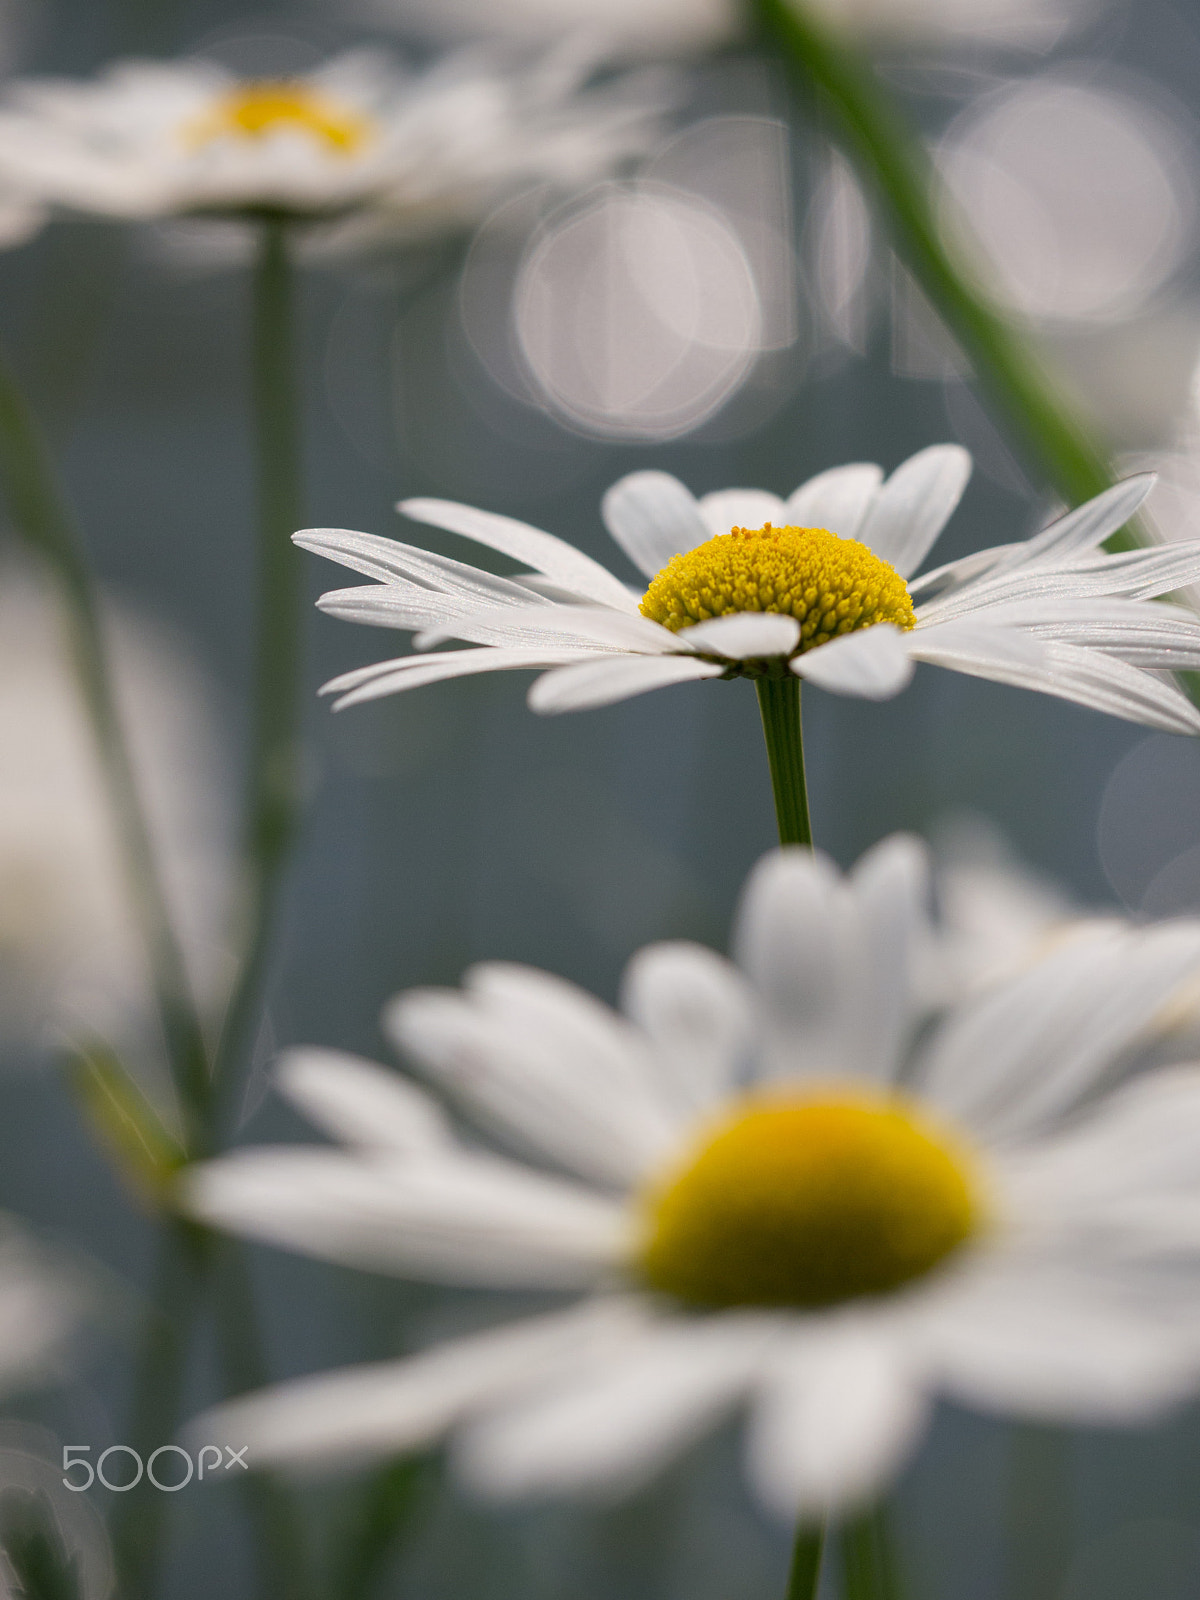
[(154, 139), (758, 1193), (744, 583)]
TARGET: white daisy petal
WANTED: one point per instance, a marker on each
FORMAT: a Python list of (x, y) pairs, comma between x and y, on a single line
[(697, 1011), (743, 634), (791, 939), (615, 1428), (1144, 633), (653, 517), (453, 1218), (364, 1104), (1081, 1008), (548, 1068), (726, 509), (982, 649), (914, 505), (1085, 527), (872, 664), (389, 561), (543, 552), (578, 626), (891, 889), (1043, 1341), (602, 683), (413, 672), (838, 499), (833, 1420), (1131, 575), (391, 1407)]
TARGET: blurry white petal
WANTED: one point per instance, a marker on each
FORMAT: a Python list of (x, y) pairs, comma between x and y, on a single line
[(391, 1407), (602, 683), (652, 517), (1029, 1050), (890, 888), (545, 1065), (455, 1218), (542, 551), (697, 1011), (389, 561), (361, 1103), (873, 663), (615, 1428), (914, 505), (726, 509), (838, 499), (834, 1421), (743, 634), (790, 938)]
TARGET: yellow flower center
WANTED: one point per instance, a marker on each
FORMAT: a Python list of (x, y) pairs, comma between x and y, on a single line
[(830, 585), (256, 109), (808, 1203)]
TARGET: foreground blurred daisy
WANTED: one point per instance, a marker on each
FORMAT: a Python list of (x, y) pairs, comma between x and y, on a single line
[(433, 151), (759, 1194), (820, 586)]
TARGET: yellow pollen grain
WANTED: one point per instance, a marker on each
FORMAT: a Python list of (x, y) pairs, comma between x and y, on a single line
[(257, 109), (830, 585), (808, 1203)]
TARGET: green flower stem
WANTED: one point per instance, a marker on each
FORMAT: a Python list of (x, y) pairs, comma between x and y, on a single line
[(869, 1567), (139, 1520), (274, 780), (890, 156), (779, 703), (808, 1550), (40, 513)]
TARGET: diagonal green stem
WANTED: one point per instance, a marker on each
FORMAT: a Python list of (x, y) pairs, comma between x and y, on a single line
[(893, 161), (869, 1567), (779, 703), (41, 514), (808, 1551), (273, 797)]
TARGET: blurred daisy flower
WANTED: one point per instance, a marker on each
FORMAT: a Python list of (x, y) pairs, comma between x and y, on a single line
[(658, 26), (744, 583), (72, 963), (159, 139), (42, 1302), (762, 1195)]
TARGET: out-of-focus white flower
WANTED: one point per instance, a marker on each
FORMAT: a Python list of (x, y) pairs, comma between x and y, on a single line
[(764, 1196), (71, 956), (41, 1304), (819, 585), (997, 915), (669, 26), (429, 151)]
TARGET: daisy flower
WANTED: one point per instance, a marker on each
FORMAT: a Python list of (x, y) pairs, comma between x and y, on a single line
[(820, 585), (154, 139), (756, 1193)]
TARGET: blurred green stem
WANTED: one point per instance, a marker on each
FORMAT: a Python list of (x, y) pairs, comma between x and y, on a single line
[(892, 159), (40, 513), (274, 780), (139, 1520), (808, 1550), (869, 1567), (779, 703)]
